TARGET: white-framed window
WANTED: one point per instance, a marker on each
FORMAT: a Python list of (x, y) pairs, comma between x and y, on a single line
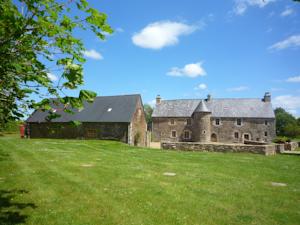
[(236, 135), (173, 134), (188, 121), (239, 122), (217, 121), (172, 122), (187, 134)]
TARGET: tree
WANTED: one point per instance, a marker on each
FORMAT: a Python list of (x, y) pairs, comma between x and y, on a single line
[(37, 37), (286, 123), (148, 111)]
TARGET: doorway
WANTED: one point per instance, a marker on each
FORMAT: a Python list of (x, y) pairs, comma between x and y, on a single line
[(213, 138)]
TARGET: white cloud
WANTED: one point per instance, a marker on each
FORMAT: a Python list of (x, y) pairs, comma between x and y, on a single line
[(290, 42), (289, 102), (189, 70), (287, 12), (294, 79), (201, 87), (161, 34), (52, 76), (241, 6), (93, 54), (240, 88)]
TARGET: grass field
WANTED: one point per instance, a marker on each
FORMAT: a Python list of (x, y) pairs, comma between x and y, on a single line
[(103, 182)]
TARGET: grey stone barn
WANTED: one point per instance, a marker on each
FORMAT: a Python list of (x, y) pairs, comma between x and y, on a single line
[(110, 117), (225, 120)]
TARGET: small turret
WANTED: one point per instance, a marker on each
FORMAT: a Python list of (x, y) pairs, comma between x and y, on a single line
[(202, 127)]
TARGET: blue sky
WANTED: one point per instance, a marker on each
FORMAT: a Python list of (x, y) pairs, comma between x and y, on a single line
[(187, 49)]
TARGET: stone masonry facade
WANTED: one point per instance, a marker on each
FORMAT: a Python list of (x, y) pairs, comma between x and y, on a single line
[(202, 126), (137, 129), (227, 132)]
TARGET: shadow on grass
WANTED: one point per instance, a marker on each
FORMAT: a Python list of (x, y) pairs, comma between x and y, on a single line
[(12, 212)]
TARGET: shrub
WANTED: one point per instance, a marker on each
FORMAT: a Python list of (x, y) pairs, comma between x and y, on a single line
[(281, 140)]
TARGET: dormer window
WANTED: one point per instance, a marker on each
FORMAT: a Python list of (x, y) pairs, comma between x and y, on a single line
[(172, 121), (239, 122)]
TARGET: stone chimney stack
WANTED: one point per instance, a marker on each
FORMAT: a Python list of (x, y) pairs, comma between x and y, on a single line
[(208, 98), (267, 97), (158, 99)]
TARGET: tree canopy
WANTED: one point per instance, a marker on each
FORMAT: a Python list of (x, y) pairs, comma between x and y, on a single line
[(286, 124), (148, 111), (37, 37)]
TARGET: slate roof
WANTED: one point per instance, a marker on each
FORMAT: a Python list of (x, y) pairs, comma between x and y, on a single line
[(202, 107), (231, 107), (103, 109)]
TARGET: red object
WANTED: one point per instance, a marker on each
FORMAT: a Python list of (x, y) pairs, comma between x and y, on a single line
[(22, 130)]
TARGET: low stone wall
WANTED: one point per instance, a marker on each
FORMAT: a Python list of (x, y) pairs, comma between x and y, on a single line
[(279, 148), (220, 147), (291, 146), (247, 142)]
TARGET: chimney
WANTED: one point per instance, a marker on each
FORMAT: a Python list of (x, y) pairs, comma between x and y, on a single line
[(267, 97), (158, 99), (208, 97)]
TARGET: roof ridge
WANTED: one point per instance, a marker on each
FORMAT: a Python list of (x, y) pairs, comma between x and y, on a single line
[(199, 99)]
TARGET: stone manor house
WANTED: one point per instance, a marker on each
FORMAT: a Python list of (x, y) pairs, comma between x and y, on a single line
[(214, 120)]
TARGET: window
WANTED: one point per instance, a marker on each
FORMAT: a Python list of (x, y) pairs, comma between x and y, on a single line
[(217, 122), (246, 137), (204, 132), (239, 122), (266, 133), (91, 133), (172, 121), (266, 122), (173, 134), (236, 134), (187, 134), (189, 122)]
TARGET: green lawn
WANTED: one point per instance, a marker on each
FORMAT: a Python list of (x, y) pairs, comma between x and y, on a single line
[(103, 182)]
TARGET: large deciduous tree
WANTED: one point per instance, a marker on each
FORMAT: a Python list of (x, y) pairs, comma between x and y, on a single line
[(38, 37), (286, 124)]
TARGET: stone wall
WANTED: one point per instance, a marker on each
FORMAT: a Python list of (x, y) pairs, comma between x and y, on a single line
[(291, 146), (112, 131), (254, 127), (162, 128), (138, 126), (209, 147), (225, 132)]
